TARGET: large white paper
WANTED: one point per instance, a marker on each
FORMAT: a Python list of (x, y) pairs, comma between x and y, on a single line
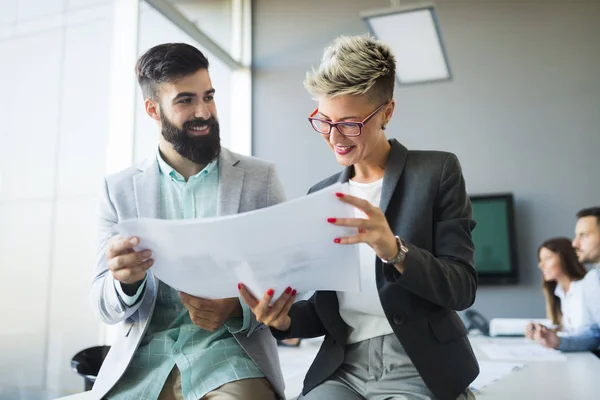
[(289, 244), (519, 349), (491, 371)]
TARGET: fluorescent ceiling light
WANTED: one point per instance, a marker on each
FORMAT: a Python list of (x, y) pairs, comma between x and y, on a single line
[(413, 34)]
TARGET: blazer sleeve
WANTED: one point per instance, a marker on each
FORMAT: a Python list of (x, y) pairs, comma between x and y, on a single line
[(104, 297), (446, 276), (305, 321)]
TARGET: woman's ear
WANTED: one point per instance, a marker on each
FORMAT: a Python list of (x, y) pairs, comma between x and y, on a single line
[(387, 114)]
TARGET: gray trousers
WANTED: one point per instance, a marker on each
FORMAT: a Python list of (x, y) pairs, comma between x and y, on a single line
[(376, 369)]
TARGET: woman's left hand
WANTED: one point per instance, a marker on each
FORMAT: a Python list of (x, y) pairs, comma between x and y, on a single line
[(374, 230)]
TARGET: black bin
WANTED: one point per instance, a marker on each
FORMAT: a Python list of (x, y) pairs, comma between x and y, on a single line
[(87, 363)]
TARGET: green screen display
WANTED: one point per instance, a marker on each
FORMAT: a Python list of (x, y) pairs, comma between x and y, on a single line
[(491, 235)]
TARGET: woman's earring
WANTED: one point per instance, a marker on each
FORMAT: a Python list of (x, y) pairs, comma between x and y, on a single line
[(383, 127)]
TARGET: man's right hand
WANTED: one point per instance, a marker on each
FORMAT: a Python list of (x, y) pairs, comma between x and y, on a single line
[(530, 331), (126, 265), (546, 337)]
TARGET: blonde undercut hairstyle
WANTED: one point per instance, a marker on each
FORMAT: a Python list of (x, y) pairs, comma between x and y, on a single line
[(355, 66)]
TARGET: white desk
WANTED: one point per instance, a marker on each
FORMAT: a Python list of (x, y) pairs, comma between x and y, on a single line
[(577, 378)]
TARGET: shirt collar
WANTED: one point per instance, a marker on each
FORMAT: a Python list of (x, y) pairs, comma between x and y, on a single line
[(560, 293), (167, 170)]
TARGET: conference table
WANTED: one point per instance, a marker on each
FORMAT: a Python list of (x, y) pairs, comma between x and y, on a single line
[(575, 378)]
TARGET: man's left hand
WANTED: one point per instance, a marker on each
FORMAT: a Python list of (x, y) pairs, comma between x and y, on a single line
[(210, 315)]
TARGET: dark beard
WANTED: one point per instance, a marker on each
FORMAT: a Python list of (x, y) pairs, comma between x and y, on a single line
[(198, 149)]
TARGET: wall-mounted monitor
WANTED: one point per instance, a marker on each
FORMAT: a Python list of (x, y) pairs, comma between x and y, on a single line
[(495, 239)]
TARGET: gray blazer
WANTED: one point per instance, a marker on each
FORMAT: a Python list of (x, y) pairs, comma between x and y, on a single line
[(245, 184)]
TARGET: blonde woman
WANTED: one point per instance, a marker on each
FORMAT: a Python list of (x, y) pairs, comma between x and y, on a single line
[(400, 337)]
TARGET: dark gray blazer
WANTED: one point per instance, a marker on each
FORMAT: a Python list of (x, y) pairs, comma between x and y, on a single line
[(426, 204)]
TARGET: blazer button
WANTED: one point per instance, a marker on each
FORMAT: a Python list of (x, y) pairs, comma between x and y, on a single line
[(398, 319)]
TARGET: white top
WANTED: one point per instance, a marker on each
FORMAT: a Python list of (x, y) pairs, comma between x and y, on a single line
[(362, 311), (580, 306), (572, 306)]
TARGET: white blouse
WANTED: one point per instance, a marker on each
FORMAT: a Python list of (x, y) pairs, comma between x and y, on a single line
[(575, 304), (362, 311)]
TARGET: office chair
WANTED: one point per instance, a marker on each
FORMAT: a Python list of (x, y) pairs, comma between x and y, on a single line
[(87, 363)]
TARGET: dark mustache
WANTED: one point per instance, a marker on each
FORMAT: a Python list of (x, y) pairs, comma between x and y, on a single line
[(199, 123)]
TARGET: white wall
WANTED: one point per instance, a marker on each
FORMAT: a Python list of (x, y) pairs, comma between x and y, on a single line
[(54, 58), (54, 71), (522, 112)]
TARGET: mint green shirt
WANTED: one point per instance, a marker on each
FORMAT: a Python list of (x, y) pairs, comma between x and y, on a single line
[(206, 360)]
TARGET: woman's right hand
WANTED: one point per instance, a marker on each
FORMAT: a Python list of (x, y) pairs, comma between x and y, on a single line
[(274, 315)]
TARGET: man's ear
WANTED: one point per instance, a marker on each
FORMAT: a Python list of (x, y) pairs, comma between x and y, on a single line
[(152, 109)]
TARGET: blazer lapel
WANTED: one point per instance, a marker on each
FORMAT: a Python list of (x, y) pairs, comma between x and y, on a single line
[(393, 170), (231, 179), (146, 187), (346, 174)]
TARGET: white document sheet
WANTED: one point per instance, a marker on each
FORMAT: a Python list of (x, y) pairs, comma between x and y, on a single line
[(289, 244), (491, 371), (520, 349)]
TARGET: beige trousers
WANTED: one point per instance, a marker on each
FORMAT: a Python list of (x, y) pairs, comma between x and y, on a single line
[(244, 389)]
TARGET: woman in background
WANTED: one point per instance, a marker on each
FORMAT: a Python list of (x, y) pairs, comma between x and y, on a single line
[(562, 284)]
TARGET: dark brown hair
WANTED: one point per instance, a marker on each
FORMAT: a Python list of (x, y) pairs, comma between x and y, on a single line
[(167, 62), (570, 266), (590, 212)]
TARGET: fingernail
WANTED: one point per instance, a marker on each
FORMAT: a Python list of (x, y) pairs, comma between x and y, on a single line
[(270, 292), (331, 220), (338, 194), (239, 286), (147, 253), (133, 241), (288, 290), (151, 262), (337, 240), (294, 292)]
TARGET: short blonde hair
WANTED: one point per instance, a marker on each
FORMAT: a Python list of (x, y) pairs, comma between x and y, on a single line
[(354, 65)]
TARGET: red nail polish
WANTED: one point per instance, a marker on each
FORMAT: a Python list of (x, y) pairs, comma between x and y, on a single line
[(338, 194), (294, 292), (288, 290), (337, 240), (270, 292), (331, 220), (239, 286)]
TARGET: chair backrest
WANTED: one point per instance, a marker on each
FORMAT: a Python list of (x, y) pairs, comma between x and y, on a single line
[(88, 361)]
